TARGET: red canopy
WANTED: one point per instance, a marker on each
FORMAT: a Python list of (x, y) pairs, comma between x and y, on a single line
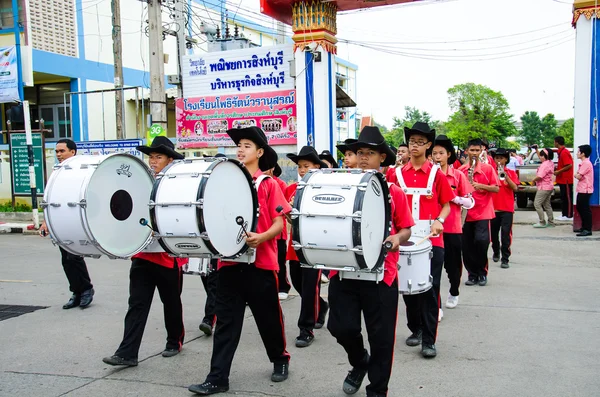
[(281, 10)]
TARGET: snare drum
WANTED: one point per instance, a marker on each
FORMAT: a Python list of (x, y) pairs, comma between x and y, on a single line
[(93, 205), (195, 205), (198, 267), (340, 220), (414, 267)]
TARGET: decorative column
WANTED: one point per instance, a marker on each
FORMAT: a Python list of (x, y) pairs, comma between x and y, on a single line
[(314, 27), (587, 95)]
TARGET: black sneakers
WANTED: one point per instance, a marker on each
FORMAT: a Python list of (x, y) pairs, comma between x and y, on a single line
[(472, 280), (496, 257), (170, 352), (280, 372), (208, 388), (304, 339), (206, 327), (355, 377), (504, 264), (428, 351), (415, 339), (322, 315), (86, 298), (73, 302), (116, 360), (482, 281)]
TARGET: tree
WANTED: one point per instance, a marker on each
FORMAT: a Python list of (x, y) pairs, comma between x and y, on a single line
[(531, 129), (567, 130), (479, 112), (411, 116), (549, 130)]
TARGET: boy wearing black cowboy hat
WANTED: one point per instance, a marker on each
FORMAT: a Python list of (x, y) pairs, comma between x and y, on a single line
[(504, 206), (306, 280), (378, 302), (327, 157), (350, 160), (150, 271), (445, 155), (430, 196), (252, 284)]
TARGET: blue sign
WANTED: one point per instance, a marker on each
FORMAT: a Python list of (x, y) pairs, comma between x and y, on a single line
[(107, 147)]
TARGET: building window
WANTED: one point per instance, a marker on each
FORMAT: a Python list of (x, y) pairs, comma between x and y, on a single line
[(53, 27)]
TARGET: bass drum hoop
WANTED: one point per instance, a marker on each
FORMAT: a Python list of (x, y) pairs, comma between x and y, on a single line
[(153, 209)]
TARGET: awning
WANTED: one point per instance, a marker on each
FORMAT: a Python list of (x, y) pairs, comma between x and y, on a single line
[(343, 100)]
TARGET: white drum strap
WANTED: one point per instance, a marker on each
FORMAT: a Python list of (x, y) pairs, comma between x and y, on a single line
[(259, 180), (422, 226)]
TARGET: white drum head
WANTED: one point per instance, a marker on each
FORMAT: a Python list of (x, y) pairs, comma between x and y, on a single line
[(117, 198), (373, 225), (228, 194)]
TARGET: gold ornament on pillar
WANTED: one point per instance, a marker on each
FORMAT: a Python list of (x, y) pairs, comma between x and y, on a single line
[(586, 8), (314, 22)]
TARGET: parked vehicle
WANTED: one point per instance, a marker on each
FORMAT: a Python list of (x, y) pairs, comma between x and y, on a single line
[(526, 189)]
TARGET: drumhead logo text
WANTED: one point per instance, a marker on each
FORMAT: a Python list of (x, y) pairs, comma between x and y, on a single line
[(376, 188), (241, 234), (328, 199), (124, 170), (187, 246)]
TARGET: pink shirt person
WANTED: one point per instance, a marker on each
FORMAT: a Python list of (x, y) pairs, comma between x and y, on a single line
[(546, 172), (586, 183)]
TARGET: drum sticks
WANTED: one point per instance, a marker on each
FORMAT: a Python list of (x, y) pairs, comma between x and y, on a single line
[(280, 210), (240, 221), (425, 238)]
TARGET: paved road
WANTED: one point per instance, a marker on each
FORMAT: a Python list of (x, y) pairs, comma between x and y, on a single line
[(533, 331)]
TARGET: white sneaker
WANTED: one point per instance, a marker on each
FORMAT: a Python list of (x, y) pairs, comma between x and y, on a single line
[(451, 302), (440, 315), (563, 218), (283, 296), (324, 279), (570, 219)]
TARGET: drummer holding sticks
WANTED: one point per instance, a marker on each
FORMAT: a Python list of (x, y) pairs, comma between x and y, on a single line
[(150, 271), (377, 301), (254, 284), (430, 194)]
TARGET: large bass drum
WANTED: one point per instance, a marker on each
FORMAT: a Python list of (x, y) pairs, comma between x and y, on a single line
[(93, 205), (196, 205), (340, 219)]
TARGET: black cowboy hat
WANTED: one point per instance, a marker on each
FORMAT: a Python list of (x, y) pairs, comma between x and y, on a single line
[(502, 152), (343, 147), (162, 145), (277, 171), (420, 128), (371, 137), (326, 155), (393, 149), (256, 135), (308, 153), (445, 142)]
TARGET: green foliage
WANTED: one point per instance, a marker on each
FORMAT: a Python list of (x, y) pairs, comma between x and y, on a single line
[(411, 115), (567, 130), (549, 130), (7, 207), (479, 112), (531, 130)]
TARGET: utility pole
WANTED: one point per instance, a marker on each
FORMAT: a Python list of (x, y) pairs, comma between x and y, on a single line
[(118, 64), (280, 33), (158, 103), (181, 42)]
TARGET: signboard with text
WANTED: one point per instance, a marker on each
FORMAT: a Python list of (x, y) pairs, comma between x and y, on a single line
[(107, 147), (249, 70), (9, 77), (203, 122), (19, 162)]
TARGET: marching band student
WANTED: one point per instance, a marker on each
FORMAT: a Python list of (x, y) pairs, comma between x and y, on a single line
[(253, 284), (445, 155), (328, 159), (403, 155), (150, 271), (209, 282), (430, 210), (476, 230), (284, 283), (504, 205), (378, 302), (350, 160), (306, 281)]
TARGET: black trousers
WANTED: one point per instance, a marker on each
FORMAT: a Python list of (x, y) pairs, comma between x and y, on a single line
[(422, 309), (76, 272), (475, 245), (378, 303), (144, 278), (502, 225), (566, 199), (308, 284), (585, 212), (453, 260), (210, 287), (284, 284), (237, 285)]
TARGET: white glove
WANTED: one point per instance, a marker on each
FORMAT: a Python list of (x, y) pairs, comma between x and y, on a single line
[(465, 202)]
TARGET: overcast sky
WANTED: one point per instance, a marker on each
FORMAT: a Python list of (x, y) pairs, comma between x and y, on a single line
[(535, 80)]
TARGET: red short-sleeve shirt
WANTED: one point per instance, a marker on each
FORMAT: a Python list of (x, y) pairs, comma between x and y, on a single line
[(484, 205), (564, 159), (504, 200), (429, 206), (461, 187), (282, 186), (161, 258), (269, 198)]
